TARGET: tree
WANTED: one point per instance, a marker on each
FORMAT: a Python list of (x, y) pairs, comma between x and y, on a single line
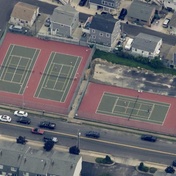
[(156, 63), (48, 145), (74, 150)]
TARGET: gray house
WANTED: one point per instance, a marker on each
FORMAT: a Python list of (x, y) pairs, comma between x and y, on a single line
[(104, 30), (146, 45), (141, 13), (64, 21), (23, 160), (105, 5)]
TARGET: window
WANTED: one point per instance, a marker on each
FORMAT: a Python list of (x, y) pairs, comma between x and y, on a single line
[(93, 30), (1, 166), (101, 34), (93, 37), (13, 169), (107, 35)]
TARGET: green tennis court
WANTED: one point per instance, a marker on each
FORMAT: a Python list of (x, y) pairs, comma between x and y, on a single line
[(58, 76), (17, 67), (133, 108)]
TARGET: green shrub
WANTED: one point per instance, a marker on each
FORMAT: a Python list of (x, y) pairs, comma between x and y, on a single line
[(152, 170), (106, 160), (145, 169)]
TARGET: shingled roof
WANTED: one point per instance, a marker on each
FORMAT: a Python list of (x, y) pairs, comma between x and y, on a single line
[(140, 10), (23, 11), (103, 23), (145, 42), (64, 14)]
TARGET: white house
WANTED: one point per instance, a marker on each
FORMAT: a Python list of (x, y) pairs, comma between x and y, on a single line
[(24, 14), (170, 4), (146, 45)]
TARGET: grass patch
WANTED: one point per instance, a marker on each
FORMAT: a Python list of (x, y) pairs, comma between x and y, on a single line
[(113, 58)]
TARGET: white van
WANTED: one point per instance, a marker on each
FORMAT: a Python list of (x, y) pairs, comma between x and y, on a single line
[(166, 22), (15, 28)]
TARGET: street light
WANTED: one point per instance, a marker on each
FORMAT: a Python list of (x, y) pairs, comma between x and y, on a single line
[(79, 134)]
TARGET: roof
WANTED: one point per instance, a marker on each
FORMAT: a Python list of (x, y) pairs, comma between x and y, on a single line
[(109, 2), (36, 161), (173, 20), (103, 23), (145, 42), (140, 10), (64, 14), (63, 163), (23, 11), (11, 154)]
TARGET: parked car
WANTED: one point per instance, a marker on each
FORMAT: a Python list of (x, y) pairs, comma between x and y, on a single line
[(5, 118), (170, 170), (174, 163), (21, 140), (37, 131), (82, 2), (149, 138), (123, 13), (49, 138), (24, 120), (21, 113), (17, 29), (166, 23), (92, 134), (47, 124)]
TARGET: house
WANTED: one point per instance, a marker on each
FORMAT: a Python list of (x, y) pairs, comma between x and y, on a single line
[(170, 4), (141, 13), (109, 6), (172, 25), (104, 30), (146, 45), (64, 21), (169, 58), (17, 159), (24, 14)]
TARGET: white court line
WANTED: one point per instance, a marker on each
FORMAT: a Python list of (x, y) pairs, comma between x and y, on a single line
[(22, 75), (25, 72), (63, 87), (115, 103), (73, 69), (151, 110), (8, 58), (15, 70), (166, 114), (57, 76), (44, 79), (103, 94)]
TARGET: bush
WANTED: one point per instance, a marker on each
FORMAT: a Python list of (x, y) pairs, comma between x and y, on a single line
[(74, 150), (152, 170), (106, 160), (143, 168)]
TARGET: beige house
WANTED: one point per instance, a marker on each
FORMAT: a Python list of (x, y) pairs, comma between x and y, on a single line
[(24, 14)]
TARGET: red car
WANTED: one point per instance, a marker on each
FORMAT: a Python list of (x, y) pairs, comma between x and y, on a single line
[(37, 131)]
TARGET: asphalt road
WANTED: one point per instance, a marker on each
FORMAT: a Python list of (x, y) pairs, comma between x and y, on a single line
[(116, 143), (133, 30)]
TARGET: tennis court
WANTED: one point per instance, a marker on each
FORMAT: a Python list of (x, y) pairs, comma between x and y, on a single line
[(58, 76), (133, 108), (16, 68)]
